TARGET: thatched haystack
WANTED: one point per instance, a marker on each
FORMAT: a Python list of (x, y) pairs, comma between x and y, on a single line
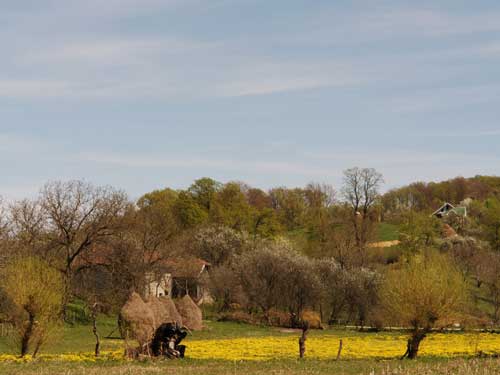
[(190, 313), (173, 314), (138, 319), (159, 311)]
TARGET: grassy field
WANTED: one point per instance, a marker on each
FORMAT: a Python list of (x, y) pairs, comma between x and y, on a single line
[(291, 367), (232, 348), (387, 232)]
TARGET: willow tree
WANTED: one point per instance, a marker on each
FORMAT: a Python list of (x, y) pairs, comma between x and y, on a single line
[(35, 291), (426, 292)]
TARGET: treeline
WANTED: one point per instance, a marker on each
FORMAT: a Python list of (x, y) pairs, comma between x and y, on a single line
[(281, 251), (422, 196)]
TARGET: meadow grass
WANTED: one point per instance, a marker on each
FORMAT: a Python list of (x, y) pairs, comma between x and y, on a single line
[(424, 366), (234, 348)]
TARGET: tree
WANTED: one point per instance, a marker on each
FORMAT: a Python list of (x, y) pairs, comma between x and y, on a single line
[(154, 224), (418, 231), (36, 292), (490, 220), (78, 216), (204, 190), (188, 211), (319, 200), (218, 245), (290, 206), (349, 293), (426, 292), (230, 207), (29, 225), (361, 191), (274, 276)]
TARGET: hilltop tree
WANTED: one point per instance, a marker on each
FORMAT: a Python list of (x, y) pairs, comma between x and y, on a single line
[(230, 208), (361, 191), (204, 190), (188, 211), (290, 206)]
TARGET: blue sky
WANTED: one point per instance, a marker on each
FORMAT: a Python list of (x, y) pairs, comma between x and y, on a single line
[(142, 94)]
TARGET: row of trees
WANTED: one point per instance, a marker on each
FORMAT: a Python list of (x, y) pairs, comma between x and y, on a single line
[(282, 249)]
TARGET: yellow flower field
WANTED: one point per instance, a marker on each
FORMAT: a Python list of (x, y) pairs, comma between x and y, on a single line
[(354, 347), (324, 346)]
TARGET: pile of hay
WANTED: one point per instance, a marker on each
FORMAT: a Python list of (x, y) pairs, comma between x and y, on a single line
[(173, 314), (159, 311), (190, 313), (138, 319)]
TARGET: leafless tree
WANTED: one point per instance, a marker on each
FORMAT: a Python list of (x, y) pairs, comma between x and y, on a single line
[(361, 191), (79, 215), (276, 277)]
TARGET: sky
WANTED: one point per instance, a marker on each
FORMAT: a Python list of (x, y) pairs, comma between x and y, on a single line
[(145, 94)]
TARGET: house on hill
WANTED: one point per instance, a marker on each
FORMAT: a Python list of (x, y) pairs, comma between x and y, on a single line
[(447, 209)]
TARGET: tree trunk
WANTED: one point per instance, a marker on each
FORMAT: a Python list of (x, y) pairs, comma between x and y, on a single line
[(94, 330), (25, 340), (302, 340), (414, 344)]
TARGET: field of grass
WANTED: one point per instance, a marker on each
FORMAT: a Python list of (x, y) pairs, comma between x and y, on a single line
[(229, 348), (424, 366), (387, 232)]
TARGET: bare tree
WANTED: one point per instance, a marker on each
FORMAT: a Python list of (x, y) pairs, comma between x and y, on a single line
[(79, 215), (361, 191), (28, 225)]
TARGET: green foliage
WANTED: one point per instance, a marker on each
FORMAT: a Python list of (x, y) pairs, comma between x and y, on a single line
[(36, 291), (77, 312), (158, 198), (265, 223), (204, 190), (230, 208), (418, 231), (290, 207), (490, 221), (426, 291), (188, 212)]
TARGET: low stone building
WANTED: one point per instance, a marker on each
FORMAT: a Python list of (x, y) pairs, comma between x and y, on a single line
[(179, 277)]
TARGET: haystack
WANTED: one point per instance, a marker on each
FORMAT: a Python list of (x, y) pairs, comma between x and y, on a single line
[(190, 313), (159, 311), (139, 319), (173, 314)]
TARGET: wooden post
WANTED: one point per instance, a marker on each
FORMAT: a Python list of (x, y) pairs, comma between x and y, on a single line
[(302, 340), (340, 350)]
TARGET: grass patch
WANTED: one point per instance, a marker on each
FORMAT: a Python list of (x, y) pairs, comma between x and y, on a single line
[(457, 366), (387, 232)]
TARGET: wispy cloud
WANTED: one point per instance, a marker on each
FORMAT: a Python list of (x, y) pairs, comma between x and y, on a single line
[(445, 98), (34, 88), (158, 161)]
